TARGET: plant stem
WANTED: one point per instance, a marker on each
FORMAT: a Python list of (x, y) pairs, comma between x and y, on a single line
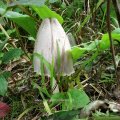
[(4, 31), (111, 41)]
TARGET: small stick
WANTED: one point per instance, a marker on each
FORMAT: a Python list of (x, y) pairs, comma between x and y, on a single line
[(111, 41)]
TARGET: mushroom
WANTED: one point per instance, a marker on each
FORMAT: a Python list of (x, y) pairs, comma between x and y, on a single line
[(52, 43)]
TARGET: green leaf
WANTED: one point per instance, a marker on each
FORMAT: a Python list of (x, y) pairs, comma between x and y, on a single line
[(110, 117), (52, 1), (105, 42), (2, 44), (73, 99), (63, 115), (77, 52), (45, 12), (10, 55), (6, 74), (24, 21), (100, 45), (3, 85), (77, 98), (2, 5), (93, 45), (114, 36), (57, 98), (42, 10), (28, 2), (1, 54)]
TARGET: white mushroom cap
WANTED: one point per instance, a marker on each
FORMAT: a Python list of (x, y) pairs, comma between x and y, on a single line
[(52, 43)]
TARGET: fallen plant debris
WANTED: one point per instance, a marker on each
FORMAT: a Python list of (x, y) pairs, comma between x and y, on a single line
[(4, 109)]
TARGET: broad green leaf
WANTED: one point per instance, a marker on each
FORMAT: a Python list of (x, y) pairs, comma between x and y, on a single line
[(77, 52), (42, 10), (28, 2), (3, 85), (103, 117), (100, 45), (105, 42), (52, 1), (12, 54), (57, 98), (24, 21), (93, 45), (64, 115), (73, 99), (78, 98), (6, 74), (45, 12), (114, 36)]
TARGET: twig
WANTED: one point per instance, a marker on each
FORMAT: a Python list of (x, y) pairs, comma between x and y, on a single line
[(111, 41)]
